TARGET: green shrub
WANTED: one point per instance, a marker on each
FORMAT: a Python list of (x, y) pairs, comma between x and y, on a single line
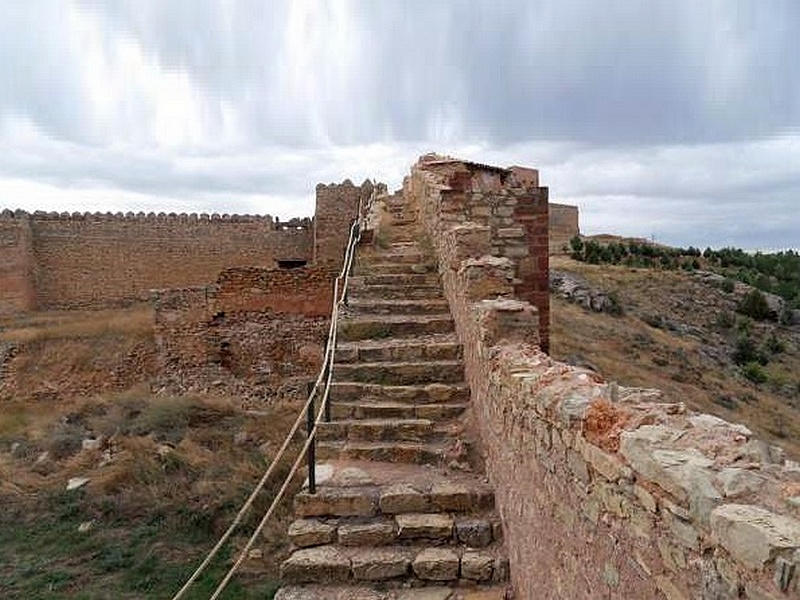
[(728, 285), (748, 352), (754, 305), (725, 320), (755, 373)]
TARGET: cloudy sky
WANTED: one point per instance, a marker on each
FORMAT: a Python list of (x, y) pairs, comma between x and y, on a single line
[(677, 120)]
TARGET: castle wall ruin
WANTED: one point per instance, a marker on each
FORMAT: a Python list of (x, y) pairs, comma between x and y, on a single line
[(504, 212), (257, 333), (604, 491), (91, 260)]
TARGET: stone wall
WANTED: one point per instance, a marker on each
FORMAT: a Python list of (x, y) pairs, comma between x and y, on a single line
[(506, 211), (605, 491), (257, 333), (90, 260), (337, 205), (16, 264), (563, 226)]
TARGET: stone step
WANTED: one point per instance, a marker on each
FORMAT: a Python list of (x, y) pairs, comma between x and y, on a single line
[(380, 306), (432, 347), (393, 268), (342, 564), (401, 394), (376, 430), (396, 279), (417, 453), (367, 409), (402, 255), (400, 529), (433, 592), (363, 327), (401, 373), (393, 292)]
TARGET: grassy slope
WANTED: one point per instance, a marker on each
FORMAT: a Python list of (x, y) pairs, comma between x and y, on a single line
[(691, 365), (166, 481)]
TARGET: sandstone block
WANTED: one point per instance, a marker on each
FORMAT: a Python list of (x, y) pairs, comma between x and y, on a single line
[(752, 534), (346, 502), (305, 533), (380, 564), (477, 566), (452, 497), (436, 526), (316, 565), (366, 534), (402, 498), (436, 564), (437, 593)]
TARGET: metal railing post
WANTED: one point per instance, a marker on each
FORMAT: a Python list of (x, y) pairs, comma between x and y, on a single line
[(312, 467)]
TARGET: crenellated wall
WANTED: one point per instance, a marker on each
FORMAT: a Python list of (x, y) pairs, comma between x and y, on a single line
[(90, 260), (606, 491)]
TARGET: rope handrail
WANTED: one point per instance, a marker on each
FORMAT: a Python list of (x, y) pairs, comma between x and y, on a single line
[(326, 367)]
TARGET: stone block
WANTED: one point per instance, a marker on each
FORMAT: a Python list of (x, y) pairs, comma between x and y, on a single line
[(434, 526), (305, 533), (366, 534), (402, 498), (752, 534), (324, 564), (336, 502), (380, 564), (477, 566), (452, 497), (476, 533), (436, 564)]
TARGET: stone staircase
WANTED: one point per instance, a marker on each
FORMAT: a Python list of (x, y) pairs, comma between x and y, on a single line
[(392, 518)]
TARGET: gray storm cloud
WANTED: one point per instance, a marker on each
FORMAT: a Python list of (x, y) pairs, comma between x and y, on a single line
[(648, 115)]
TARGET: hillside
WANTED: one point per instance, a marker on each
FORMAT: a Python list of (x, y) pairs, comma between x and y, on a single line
[(160, 476), (679, 331)]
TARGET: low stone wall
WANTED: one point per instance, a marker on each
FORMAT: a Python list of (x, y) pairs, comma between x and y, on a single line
[(605, 491), (256, 333)]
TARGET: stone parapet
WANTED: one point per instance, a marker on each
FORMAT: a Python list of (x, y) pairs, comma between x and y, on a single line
[(606, 491)]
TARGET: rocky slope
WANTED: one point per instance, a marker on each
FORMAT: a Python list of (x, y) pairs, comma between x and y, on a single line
[(680, 332)]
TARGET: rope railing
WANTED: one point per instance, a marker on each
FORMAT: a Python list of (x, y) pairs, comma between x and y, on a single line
[(309, 448)]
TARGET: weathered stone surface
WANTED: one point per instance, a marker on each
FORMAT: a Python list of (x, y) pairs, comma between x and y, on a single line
[(752, 534), (452, 497), (379, 564), (476, 533), (686, 474), (735, 482), (435, 526), (437, 593), (315, 592), (316, 565), (403, 498), (351, 476), (366, 534), (311, 532), (608, 465), (477, 566), (337, 502), (436, 564)]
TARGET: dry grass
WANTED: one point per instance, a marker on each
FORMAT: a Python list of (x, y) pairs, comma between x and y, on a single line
[(59, 325), (629, 350)]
